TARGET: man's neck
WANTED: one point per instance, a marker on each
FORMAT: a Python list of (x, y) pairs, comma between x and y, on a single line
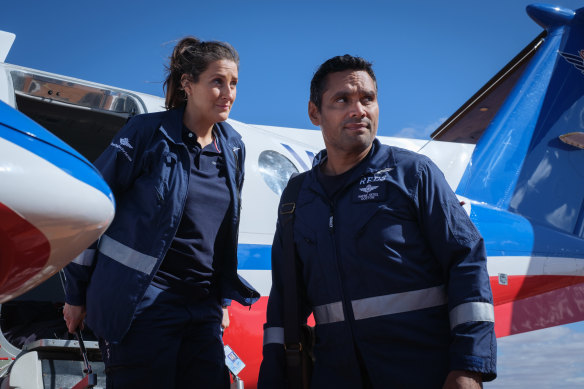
[(339, 163)]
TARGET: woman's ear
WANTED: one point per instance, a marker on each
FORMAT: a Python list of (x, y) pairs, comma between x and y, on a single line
[(185, 82)]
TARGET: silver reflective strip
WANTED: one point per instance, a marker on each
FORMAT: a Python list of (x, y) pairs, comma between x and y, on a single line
[(398, 302), (85, 258), (468, 312), (329, 313), (126, 255), (274, 335)]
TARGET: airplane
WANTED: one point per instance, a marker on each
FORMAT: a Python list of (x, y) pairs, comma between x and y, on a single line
[(512, 153)]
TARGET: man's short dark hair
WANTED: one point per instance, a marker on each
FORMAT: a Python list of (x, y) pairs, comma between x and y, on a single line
[(333, 65)]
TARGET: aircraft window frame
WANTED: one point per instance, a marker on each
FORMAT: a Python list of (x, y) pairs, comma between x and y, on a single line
[(275, 169), (65, 91)]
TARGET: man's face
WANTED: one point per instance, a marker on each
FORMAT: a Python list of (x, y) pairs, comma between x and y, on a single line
[(349, 113)]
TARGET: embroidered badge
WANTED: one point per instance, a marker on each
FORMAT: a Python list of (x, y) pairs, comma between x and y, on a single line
[(370, 192), (378, 176), (372, 187), (124, 142), (367, 193)]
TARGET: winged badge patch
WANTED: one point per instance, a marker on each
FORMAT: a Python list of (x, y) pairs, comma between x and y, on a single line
[(368, 188), (370, 193), (576, 60)]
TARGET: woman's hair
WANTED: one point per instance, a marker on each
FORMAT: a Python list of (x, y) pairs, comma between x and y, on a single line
[(192, 56)]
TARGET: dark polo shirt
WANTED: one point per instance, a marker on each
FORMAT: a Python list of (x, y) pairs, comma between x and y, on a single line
[(189, 265)]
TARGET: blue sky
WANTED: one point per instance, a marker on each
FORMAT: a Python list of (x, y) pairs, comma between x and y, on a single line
[(429, 57)]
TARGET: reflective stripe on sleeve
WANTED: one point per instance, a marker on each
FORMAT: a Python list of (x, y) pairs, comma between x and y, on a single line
[(468, 312), (274, 335), (85, 258), (329, 313), (399, 302), (126, 255)]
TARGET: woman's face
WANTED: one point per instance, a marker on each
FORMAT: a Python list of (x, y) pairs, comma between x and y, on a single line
[(210, 98)]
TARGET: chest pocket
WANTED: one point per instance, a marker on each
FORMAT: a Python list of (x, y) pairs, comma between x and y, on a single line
[(314, 256), (163, 172), (386, 231), (306, 243)]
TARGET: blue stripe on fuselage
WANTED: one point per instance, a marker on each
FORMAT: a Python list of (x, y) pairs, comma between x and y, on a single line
[(69, 163), (254, 257)]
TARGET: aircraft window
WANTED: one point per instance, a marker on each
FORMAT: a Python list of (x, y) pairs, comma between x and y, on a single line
[(275, 169), (64, 91)]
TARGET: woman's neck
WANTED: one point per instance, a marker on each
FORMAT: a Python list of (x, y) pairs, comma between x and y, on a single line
[(203, 131)]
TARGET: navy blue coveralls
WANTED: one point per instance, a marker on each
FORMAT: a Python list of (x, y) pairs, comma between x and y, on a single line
[(395, 275), (147, 167)]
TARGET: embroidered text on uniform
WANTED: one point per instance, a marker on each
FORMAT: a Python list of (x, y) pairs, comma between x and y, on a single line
[(124, 142)]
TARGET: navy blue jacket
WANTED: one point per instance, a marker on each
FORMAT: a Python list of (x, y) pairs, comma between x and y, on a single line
[(147, 167), (393, 268)]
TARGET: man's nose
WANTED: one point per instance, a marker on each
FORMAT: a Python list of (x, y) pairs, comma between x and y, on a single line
[(358, 110)]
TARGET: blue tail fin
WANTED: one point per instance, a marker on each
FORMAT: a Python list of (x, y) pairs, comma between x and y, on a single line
[(520, 163)]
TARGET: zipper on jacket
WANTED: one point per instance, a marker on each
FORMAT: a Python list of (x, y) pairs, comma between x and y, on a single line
[(237, 178), (344, 299), (332, 219), (236, 162)]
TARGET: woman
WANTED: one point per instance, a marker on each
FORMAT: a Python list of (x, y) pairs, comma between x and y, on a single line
[(153, 287)]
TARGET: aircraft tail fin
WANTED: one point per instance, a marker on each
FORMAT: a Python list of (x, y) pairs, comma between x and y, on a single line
[(529, 158)]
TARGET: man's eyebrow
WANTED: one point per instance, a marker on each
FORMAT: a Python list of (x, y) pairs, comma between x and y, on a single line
[(340, 93), (368, 92), (345, 92)]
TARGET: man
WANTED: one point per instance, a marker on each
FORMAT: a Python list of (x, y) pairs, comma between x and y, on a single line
[(393, 269)]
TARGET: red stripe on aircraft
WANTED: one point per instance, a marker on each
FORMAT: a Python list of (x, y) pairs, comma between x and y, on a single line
[(24, 250), (524, 304), (520, 287), (557, 307), (245, 336)]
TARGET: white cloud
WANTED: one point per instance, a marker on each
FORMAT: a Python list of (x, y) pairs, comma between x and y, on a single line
[(548, 358), (419, 132)]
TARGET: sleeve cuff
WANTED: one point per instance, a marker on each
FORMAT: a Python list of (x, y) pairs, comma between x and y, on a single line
[(475, 364)]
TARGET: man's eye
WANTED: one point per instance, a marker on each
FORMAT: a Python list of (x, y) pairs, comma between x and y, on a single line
[(341, 100)]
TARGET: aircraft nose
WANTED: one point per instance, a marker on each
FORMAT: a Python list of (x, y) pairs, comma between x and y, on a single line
[(49, 214)]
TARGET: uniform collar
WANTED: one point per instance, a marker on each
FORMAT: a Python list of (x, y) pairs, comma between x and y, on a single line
[(190, 139), (172, 124), (172, 127), (379, 157)]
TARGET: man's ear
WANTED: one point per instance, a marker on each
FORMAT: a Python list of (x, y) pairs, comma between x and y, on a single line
[(313, 114)]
